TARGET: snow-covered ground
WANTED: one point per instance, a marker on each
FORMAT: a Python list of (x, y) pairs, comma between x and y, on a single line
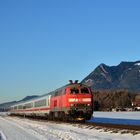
[(131, 118), (118, 115), (14, 128)]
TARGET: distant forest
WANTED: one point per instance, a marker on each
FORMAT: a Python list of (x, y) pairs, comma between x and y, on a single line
[(105, 100)]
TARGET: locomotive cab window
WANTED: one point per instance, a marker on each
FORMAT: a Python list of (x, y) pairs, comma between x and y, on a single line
[(84, 90), (74, 91)]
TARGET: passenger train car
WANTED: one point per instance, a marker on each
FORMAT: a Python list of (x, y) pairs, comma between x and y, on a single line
[(71, 102)]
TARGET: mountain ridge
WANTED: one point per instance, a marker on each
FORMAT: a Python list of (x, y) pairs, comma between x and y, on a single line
[(125, 75)]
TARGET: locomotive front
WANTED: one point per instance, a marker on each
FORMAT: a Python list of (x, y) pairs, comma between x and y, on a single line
[(79, 101)]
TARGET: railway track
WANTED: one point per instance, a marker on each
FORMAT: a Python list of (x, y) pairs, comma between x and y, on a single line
[(117, 126), (106, 127), (92, 125)]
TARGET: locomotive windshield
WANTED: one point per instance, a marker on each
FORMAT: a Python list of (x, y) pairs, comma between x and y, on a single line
[(74, 91), (82, 90)]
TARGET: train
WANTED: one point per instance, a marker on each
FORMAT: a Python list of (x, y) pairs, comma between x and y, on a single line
[(73, 101)]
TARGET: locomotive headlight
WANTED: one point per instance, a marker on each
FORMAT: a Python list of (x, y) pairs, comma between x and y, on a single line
[(71, 104), (86, 99), (73, 99)]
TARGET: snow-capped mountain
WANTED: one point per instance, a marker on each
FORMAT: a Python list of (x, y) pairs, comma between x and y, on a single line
[(126, 75)]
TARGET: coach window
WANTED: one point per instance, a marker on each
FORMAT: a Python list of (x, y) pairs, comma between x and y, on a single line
[(24, 107), (40, 103), (20, 107), (28, 105), (74, 91), (15, 107)]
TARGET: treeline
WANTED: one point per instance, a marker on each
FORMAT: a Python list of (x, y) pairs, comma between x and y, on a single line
[(105, 100)]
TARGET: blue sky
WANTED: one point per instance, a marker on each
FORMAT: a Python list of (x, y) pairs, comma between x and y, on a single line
[(45, 43)]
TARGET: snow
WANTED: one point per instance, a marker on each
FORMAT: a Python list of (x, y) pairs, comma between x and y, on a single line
[(118, 115), (89, 81), (4, 113), (2, 136), (131, 118), (13, 131), (116, 121), (137, 64), (104, 75), (103, 69), (14, 128)]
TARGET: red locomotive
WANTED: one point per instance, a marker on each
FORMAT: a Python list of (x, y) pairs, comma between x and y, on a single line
[(71, 102)]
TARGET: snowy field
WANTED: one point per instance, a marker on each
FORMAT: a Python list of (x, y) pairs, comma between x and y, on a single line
[(13, 128), (118, 115), (132, 118)]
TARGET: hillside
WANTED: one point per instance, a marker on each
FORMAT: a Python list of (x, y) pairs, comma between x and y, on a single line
[(126, 75)]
